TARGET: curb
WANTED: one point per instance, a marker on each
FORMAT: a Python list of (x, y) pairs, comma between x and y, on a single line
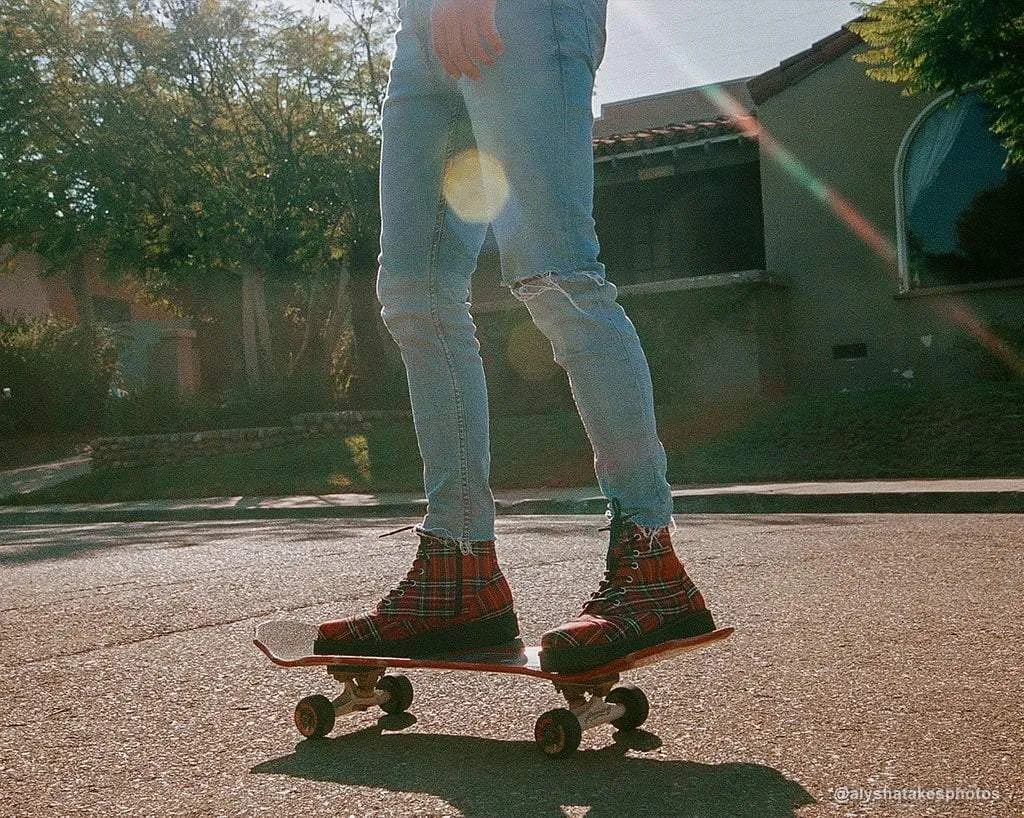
[(931, 502)]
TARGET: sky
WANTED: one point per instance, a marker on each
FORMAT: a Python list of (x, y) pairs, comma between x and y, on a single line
[(666, 45)]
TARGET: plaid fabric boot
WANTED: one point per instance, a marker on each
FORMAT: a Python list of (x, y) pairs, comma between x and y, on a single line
[(453, 598), (645, 598)]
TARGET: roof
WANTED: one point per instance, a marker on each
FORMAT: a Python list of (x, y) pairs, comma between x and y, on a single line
[(682, 105), (793, 69), (667, 137)]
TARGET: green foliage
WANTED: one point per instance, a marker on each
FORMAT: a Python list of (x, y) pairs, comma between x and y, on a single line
[(159, 409), (58, 373), (885, 433), (155, 409), (179, 141), (991, 230), (951, 45)]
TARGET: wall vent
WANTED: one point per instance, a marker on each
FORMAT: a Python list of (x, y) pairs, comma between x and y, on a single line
[(849, 352)]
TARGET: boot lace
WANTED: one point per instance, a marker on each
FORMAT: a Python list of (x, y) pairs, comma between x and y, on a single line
[(611, 587), (417, 570)]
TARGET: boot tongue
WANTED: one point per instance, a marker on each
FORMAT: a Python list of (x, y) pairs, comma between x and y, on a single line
[(619, 539)]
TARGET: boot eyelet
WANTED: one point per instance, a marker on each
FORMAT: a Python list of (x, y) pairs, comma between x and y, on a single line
[(629, 579), (634, 566), (386, 603), (636, 553)]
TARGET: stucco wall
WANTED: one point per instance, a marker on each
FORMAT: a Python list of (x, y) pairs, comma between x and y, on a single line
[(705, 347), (21, 289), (844, 131)]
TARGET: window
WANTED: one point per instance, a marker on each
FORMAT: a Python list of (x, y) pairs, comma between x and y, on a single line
[(961, 211)]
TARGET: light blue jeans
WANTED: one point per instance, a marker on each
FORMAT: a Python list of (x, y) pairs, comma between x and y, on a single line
[(513, 149)]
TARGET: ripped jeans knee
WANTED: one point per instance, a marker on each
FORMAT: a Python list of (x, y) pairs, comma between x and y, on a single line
[(573, 286)]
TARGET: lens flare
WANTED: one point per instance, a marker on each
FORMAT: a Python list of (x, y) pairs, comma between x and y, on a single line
[(529, 353), (475, 186), (844, 210)]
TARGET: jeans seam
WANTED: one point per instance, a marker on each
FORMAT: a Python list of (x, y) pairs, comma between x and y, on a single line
[(435, 318), (590, 39), (564, 138)]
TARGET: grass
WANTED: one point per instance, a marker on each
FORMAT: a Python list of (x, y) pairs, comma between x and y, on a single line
[(30, 449), (974, 432)]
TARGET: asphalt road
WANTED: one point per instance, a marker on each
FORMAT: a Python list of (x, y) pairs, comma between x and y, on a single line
[(877, 653)]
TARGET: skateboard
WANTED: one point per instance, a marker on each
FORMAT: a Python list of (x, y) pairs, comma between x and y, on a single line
[(593, 697)]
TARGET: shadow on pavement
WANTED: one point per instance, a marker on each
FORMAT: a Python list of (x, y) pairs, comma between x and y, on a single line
[(511, 778), (31, 544)]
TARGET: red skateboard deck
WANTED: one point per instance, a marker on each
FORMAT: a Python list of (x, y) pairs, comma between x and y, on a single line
[(591, 695)]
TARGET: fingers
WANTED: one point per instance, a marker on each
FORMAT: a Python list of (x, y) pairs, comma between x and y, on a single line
[(469, 51), (488, 29), (460, 31)]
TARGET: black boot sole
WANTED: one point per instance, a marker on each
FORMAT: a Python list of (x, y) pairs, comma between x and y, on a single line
[(586, 657), (480, 633)]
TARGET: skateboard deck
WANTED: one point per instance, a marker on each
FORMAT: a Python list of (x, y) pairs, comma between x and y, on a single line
[(591, 695)]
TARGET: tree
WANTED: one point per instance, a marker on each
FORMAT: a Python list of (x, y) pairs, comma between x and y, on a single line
[(273, 149), (952, 45), (200, 142), (46, 143)]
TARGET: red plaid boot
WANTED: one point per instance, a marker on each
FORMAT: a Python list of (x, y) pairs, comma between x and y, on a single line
[(453, 598), (645, 598)]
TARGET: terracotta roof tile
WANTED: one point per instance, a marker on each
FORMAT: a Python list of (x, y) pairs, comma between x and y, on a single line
[(793, 69), (665, 135)]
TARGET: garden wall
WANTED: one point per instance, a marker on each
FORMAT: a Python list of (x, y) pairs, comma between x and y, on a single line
[(144, 450)]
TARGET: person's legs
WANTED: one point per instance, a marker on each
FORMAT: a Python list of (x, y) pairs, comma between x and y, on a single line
[(428, 255), (455, 595), (532, 113)]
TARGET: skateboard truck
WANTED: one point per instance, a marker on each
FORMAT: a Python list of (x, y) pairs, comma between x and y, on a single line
[(558, 732), (364, 689)]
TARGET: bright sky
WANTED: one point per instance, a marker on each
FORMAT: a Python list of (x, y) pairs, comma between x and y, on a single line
[(665, 45)]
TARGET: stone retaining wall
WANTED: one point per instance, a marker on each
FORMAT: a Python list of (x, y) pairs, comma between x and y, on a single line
[(143, 450)]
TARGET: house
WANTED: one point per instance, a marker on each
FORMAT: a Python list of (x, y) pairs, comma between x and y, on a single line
[(863, 190), (794, 231), (155, 346)]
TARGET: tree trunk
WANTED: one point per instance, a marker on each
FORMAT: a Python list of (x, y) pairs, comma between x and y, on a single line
[(338, 315), (78, 282), (250, 349), (371, 385), (263, 328), (256, 343)]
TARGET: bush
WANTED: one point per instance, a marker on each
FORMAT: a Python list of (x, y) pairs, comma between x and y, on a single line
[(58, 372), (158, 409)]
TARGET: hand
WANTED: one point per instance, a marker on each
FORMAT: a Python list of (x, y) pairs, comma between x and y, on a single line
[(461, 29)]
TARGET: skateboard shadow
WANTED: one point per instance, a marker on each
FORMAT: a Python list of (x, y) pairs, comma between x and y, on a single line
[(480, 776)]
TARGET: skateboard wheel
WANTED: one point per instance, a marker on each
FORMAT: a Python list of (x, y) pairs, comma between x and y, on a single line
[(558, 733), (635, 701), (399, 690), (314, 716)]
